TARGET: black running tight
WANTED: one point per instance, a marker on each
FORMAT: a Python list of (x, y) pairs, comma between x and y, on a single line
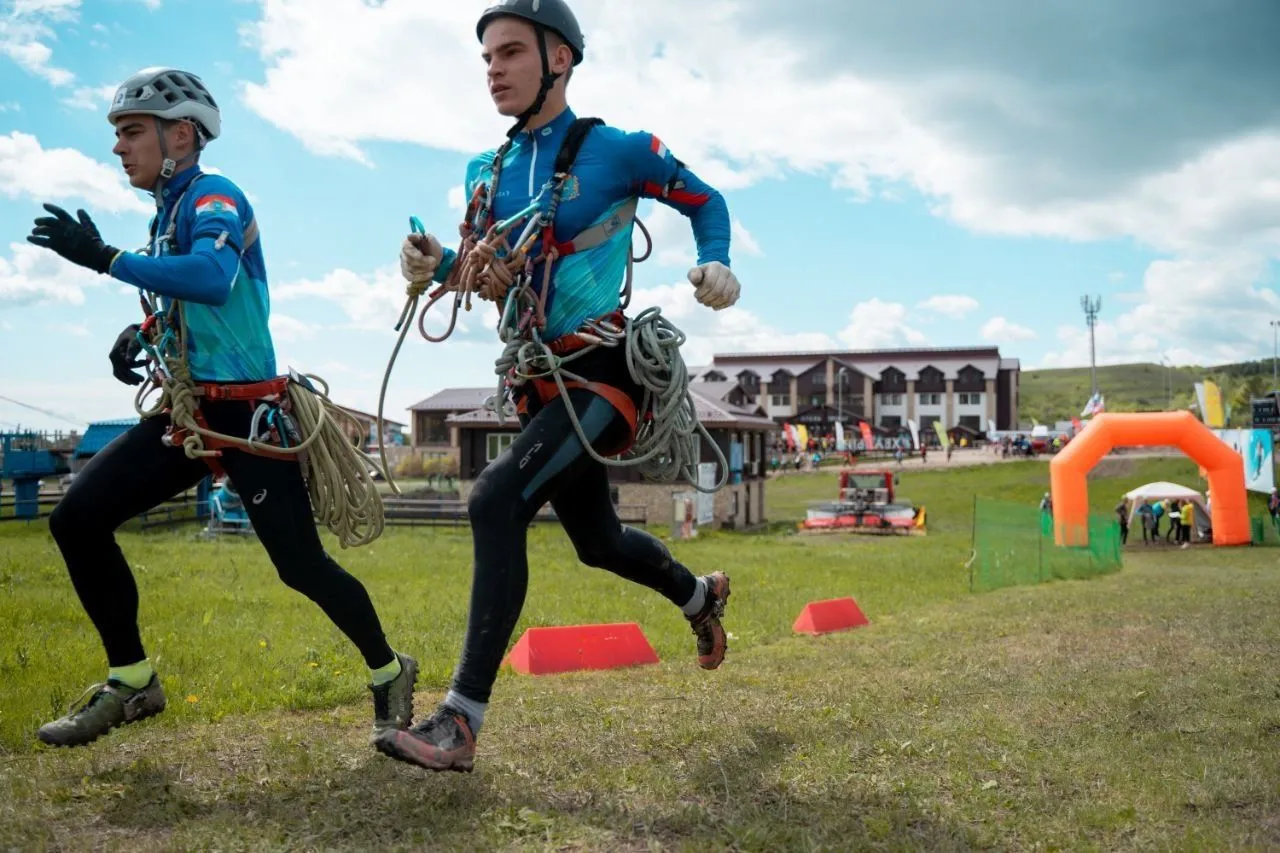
[(548, 462), (136, 472)]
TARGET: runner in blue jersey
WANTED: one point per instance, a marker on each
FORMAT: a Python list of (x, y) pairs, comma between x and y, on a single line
[(530, 46), (205, 253)]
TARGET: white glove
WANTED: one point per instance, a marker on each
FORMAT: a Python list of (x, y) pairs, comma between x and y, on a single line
[(420, 264), (717, 286)]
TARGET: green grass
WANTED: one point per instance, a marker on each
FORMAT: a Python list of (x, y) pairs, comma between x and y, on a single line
[(1136, 711)]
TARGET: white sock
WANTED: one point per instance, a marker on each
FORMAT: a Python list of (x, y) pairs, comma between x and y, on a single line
[(694, 605), (469, 708)]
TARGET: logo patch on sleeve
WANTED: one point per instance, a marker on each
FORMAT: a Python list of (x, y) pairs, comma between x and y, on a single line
[(215, 204)]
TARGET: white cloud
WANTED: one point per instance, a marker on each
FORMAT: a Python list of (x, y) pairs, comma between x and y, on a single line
[(1000, 330), (24, 31), (54, 174), (373, 301), (10, 107), (955, 307), (288, 329), (642, 74), (673, 241), (709, 332), (90, 97), (32, 275), (1195, 311), (876, 324)]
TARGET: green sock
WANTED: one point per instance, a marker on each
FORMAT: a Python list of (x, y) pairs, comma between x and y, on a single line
[(135, 675), (390, 672)]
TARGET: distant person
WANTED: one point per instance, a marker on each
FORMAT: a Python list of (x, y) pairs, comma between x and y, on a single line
[(1173, 509), (1188, 522), (1147, 514), (1122, 511), (1273, 507)]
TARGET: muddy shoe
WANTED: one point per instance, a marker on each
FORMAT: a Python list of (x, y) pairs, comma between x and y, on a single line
[(712, 642), (443, 741), (393, 701), (110, 705)]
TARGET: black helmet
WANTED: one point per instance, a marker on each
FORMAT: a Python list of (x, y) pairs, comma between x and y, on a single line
[(554, 15)]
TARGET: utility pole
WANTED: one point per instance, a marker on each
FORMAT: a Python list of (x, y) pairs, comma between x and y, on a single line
[(1091, 309), (1169, 376), (1275, 329)]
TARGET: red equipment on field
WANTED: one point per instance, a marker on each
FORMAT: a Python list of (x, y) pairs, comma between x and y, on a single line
[(866, 504)]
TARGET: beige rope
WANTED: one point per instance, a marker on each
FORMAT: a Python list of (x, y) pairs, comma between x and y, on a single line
[(344, 495)]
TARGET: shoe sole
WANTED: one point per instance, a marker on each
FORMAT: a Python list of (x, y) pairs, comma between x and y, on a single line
[(69, 744), (391, 745), (713, 662)]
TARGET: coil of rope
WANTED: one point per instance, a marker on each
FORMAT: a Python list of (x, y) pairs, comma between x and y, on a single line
[(666, 442), (344, 495)]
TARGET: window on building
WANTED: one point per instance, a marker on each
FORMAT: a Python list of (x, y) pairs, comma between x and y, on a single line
[(890, 421), (780, 399), (930, 399), (816, 399), (973, 422), (496, 443), (819, 380)]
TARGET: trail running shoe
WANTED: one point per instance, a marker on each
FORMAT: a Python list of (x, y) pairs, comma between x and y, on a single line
[(443, 741), (712, 642), (393, 701), (110, 705)]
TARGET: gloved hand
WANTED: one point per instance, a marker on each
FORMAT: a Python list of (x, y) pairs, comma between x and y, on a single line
[(420, 256), (717, 286), (124, 356), (78, 242)]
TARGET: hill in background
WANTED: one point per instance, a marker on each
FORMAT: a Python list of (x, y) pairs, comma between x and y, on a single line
[(1058, 394)]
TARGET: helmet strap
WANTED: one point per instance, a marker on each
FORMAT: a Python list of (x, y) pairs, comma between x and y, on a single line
[(168, 165), (548, 80)]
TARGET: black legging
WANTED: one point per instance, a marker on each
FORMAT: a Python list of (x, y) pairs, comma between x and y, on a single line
[(135, 472), (548, 462)]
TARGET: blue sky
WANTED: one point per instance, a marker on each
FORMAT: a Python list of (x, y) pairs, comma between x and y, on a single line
[(897, 176)]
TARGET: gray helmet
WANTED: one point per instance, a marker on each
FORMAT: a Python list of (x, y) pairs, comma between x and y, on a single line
[(170, 94), (554, 15)]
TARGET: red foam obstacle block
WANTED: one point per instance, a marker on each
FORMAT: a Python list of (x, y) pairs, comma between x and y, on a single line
[(542, 651), (834, 614)]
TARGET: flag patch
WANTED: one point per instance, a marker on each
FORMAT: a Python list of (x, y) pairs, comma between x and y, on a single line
[(215, 204), (655, 145)]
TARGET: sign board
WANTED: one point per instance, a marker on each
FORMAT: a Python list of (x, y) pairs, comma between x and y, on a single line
[(1255, 449), (706, 500), (1265, 412)]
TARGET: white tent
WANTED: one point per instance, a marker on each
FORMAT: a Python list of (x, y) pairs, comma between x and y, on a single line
[(1161, 491)]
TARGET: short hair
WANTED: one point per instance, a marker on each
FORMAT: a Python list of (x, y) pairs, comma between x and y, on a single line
[(554, 40)]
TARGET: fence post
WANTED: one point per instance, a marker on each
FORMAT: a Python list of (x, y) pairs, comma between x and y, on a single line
[(1040, 554), (973, 543)]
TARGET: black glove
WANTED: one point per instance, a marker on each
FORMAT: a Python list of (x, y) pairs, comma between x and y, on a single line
[(78, 242), (124, 356)]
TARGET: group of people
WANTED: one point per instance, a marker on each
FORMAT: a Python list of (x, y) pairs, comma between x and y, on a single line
[(204, 263), (1151, 513)]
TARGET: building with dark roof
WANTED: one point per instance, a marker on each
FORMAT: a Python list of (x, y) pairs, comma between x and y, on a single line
[(742, 433), (971, 387)]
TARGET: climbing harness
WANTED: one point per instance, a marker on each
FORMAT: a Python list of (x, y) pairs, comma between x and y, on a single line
[(664, 430), (292, 419)]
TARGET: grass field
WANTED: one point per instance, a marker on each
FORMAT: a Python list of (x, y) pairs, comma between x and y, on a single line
[(1136, 711)]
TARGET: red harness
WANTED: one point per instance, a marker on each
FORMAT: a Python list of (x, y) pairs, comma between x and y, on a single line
[(548, 391), (267, 390)]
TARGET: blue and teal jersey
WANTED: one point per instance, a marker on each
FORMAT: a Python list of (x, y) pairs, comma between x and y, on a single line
[(612, 168), (222, 285)]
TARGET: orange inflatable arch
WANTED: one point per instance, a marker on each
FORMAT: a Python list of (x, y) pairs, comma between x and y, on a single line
[(1068, 472)]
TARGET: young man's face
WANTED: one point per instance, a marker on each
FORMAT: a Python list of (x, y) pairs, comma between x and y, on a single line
[(515, 65), (138, 147)]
